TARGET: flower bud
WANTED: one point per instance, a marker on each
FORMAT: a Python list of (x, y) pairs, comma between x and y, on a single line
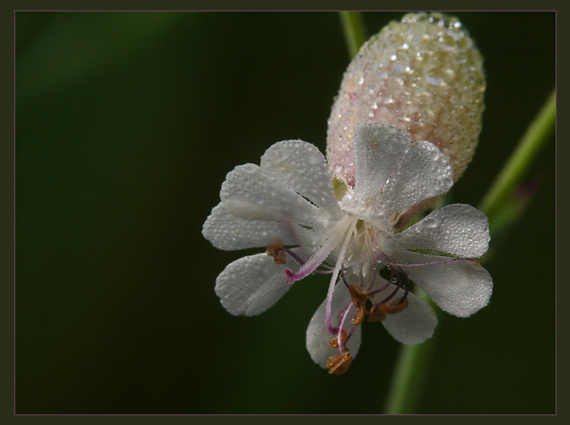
[(424, 75)]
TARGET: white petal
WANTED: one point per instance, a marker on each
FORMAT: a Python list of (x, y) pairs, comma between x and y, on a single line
[(301, 167), (252, 284), (250, 194), (456, 229), (318, 337), (424, 172), (378, 148), (460, 288), (228, 232), (413, 325)]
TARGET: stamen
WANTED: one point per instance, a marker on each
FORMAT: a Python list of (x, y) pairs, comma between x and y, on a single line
[(359, 300), (435, 263), (392, 274), (335, 331), (275, 250), (350, 334), (406, 288), (342, 276), (341, 338), (328, 307), (334, 341), (395, 307), (294, 256), (378, 312), (338, 234), (340, 341), (399, 276), (340, 363), (316, 260), (375, 314), (395, 291)]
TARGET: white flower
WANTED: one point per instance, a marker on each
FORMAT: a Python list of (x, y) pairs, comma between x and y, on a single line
[(288, 205)]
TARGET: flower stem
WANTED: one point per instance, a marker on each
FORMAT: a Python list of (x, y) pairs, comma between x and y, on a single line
[(526, 152), (413, 362), (354, 31)]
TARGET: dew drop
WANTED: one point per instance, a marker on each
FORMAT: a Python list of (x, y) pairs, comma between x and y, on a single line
[(434, 81), (430, 222)]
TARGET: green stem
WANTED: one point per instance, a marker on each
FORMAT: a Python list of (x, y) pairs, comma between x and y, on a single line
[(526, 152), (354, 31), (413, 362)]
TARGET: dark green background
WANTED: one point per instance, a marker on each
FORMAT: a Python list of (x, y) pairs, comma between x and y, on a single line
[(126, 125)]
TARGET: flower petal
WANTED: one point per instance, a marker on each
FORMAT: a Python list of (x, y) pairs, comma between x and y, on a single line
[(456, 229), (301, 167), (378, 148), (318, 337), (228, 232), (423, 173), (250, 194), (460, 288), (252, 284), (413, 325)]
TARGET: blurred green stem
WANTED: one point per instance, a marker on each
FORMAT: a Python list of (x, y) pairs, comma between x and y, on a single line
[(354, 31), (413, 362), (526, 152)]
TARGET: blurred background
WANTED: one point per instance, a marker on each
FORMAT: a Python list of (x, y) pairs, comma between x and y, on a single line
[(126, 126)]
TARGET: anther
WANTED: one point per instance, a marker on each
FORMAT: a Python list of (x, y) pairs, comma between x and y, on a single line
[(340, 363), (359, 300), (378, 312), (375, 314), (334, 341), (275, 250)]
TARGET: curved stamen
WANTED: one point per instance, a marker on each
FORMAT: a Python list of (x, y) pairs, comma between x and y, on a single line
[(394, 292), (342, 276), (337, 235), (292, 254), (407, 288), (337, 331), (398, 274), (341, 326), (347, 237), (372, 281), (300, 260), (381, 257), (435, 263), (386, 285), (350, 334)]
